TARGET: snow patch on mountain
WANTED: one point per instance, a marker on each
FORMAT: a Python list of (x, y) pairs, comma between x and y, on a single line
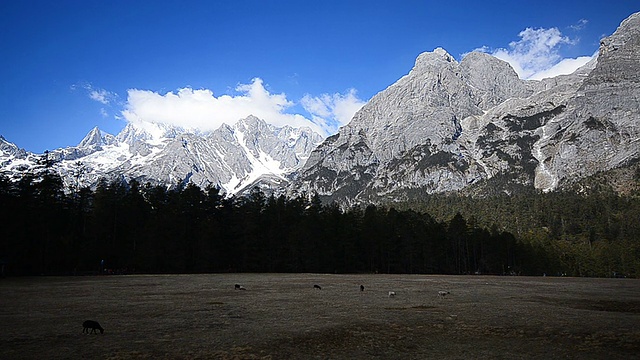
[(261, 165)]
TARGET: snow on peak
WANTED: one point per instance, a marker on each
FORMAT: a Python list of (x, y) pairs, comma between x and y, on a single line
[(97, 137)]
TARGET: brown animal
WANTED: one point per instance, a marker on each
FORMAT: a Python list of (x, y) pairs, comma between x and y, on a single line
[(93, 325)]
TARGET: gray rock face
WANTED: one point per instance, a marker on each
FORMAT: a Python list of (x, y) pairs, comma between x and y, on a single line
[(230, 157), (447, 125), (600, 128)]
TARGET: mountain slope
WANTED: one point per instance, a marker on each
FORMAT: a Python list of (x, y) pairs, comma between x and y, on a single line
[(446, 126)]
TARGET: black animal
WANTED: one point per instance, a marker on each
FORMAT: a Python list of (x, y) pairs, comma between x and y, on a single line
[(238, 286), (93, 325), (361, 287), (317, 287)]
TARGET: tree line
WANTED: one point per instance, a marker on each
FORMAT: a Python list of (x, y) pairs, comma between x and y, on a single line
[(592, 232), (126, 227)]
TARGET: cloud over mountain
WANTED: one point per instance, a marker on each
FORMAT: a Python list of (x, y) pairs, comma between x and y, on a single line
[(332, 111), (201, 109), (537, 54)]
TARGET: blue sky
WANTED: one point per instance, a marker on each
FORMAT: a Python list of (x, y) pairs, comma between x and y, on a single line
[(67, 66)]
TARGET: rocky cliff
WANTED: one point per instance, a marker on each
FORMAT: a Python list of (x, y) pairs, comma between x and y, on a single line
[(448, 126)]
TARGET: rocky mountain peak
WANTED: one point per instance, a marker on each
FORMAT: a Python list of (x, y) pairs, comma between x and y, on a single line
[(436, 57), (92, 138), (250, 121), (492, 80), (447, 126), (619, 55), (96, 138), (10, 149), (131, 133)]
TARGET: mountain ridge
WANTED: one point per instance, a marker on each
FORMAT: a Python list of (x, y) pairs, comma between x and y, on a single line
[(231, 157), (447, 125)]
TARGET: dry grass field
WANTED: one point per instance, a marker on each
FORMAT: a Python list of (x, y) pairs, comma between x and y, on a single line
[(281, 316)]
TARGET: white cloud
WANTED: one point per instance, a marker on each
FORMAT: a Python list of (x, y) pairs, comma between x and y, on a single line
[(536, 55), (564, 67), (332, 111), (535, 51), (100, 95), (104, 97), (579, 25), (202, 110)]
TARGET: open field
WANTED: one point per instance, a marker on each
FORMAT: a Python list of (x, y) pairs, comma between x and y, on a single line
[(281, 316)]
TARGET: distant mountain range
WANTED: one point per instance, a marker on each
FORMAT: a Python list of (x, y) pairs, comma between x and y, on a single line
[(250, 153), (471, 126)]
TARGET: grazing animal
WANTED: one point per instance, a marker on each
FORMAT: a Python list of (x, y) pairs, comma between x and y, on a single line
[(317, 287), (242, 288), (361, 287), (238, 287), (392, 293), (93, 325), (443, 293)]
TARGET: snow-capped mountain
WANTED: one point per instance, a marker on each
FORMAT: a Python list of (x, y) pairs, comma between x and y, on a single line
[(471, 126), (250, 153), (448, 125)]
